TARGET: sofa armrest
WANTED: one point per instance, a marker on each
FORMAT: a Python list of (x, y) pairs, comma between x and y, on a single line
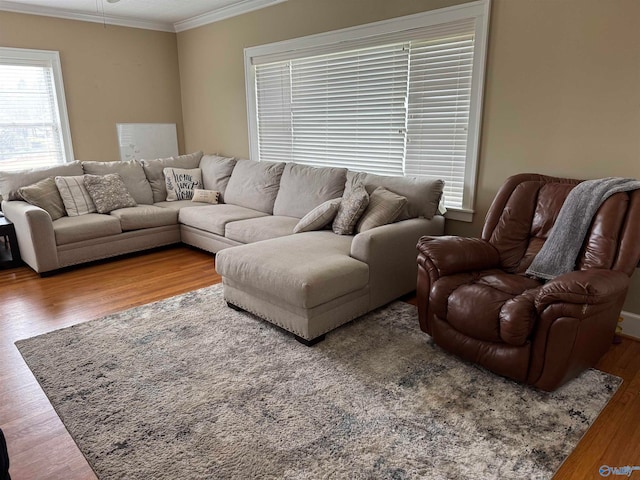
[(34, 231), (583, 287), (390, 252), (451, 255)]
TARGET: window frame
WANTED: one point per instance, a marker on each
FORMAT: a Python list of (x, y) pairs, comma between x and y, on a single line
[(379, 33), (32, 57)]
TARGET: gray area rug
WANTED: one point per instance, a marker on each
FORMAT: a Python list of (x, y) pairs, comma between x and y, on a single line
[(188, 388)]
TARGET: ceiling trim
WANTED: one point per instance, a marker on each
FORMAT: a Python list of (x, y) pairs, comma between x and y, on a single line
[(216, 15), (222, 13), (85, 17)]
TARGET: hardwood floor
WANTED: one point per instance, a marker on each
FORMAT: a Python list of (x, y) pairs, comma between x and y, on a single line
[(41, 448)]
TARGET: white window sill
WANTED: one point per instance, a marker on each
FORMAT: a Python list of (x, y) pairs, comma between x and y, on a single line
[(460, 214)]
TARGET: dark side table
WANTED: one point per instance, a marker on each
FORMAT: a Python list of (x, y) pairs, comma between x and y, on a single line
[(9, 250)]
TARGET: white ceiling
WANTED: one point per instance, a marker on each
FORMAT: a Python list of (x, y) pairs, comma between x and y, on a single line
[(166, 15)]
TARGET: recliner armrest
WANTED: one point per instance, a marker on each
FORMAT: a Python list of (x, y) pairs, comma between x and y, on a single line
[(589, 287), (451, 255)]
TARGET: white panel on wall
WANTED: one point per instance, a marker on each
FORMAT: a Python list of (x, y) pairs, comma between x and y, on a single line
[(139, 141)]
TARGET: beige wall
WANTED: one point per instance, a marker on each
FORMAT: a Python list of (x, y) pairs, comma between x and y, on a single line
[(562, 90), (111, 74)]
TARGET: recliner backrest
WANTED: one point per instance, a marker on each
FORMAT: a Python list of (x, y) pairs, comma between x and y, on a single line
[(526, 208)]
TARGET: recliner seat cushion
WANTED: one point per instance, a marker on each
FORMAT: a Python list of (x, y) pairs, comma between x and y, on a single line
[(214, 218), (502, 305)]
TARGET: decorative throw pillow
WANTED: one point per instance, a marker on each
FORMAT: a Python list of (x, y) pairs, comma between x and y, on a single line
[(205, 196), (351, 208), (44, 194), (384, 207), (75, 197), (181, 182), (319, 217), (108, 192)]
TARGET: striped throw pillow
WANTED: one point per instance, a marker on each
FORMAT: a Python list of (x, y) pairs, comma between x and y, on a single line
[(75, 196)]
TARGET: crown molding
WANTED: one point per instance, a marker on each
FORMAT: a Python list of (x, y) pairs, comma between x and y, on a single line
[(223, 13), (215, 15), (84, 17)]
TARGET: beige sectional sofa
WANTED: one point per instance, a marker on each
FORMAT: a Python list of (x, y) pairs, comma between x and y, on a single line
[(308, 283)]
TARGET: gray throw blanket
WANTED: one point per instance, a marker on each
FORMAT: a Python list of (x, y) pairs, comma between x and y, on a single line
[(559, 253)]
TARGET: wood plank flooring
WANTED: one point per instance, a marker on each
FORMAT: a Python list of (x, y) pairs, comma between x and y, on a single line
[(41, 448)]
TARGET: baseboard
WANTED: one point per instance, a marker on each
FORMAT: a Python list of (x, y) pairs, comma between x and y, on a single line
[(631, 324)]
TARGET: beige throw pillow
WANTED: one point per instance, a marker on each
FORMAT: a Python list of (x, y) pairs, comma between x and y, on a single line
[(108, 192), (384, 207), (205, 196), (75, 196), (180, 182), (319, 217), (44, 194), (351, 209)]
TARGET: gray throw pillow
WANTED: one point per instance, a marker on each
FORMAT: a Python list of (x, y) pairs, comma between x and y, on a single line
[(44, 194), (384, 207), (180, 182), (352, 207), (131, 173), (75, 196), (319, 217), (108, 192)]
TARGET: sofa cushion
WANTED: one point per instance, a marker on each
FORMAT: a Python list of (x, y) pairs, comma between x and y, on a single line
[(422, 194), (75, 196), (305, 270), (145, 216), (180, 182), (180, 204), (132, 175), (302, 188), (108, 192), (351, 208), (384, 207), (262, 228), (216, 172), (214, 218), (10, 182), (44, 194), (319, 217), (85, 227), (153, 169), (254, 185)]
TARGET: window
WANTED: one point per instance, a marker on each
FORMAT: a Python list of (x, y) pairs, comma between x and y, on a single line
[(399, 97), (34, 128)]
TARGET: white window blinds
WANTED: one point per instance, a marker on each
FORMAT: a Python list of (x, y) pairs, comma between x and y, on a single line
[(344, 109), (439, 101), (31, 134), (405, 102)]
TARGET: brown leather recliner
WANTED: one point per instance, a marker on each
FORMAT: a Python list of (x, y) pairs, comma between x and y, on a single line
[(475, 300)]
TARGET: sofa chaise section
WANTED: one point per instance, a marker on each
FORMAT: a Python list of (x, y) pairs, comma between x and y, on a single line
[(310, 283), (306, 283)]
